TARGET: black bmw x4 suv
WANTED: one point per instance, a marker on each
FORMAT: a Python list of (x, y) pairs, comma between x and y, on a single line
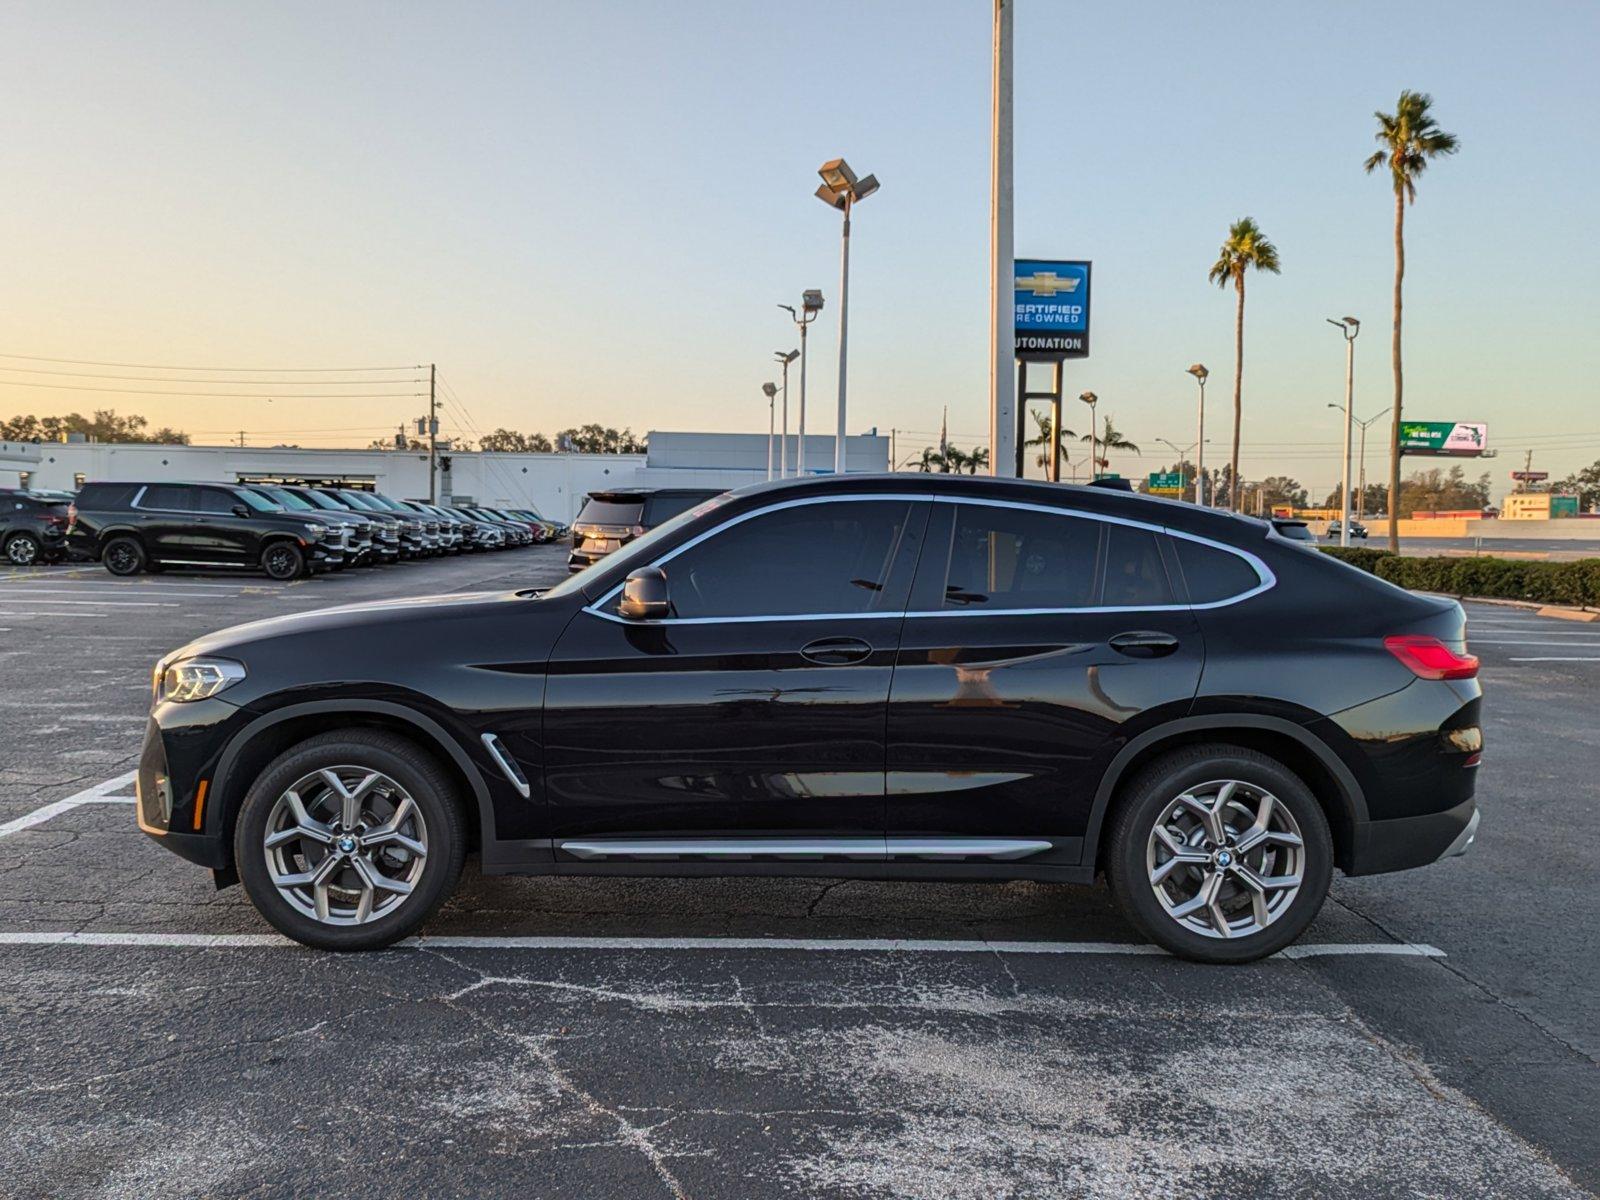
[(904, 677)]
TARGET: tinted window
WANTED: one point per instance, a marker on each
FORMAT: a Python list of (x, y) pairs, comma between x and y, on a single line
[(169, 498), (106, 495), (813, 558), (611, 512), (663, 508), (1135, 575), (1020, 558), (215, 500), (322, 501), (1213, 574)]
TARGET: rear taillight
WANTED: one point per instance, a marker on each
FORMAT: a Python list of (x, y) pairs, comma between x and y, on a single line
[(1429, 658), (638, 531), (72, 513)]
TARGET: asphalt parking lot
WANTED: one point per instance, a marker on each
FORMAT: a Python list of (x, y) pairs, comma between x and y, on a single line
[(1435, 1034)]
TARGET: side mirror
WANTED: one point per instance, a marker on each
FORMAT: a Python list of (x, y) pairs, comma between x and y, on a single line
[(241, 510), (644, 595)]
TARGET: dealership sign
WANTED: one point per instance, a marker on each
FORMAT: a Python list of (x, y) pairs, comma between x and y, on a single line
[(1051, 310), (1466, 439)]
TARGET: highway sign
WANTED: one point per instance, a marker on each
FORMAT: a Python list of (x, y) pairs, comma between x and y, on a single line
[(1166, 481), (1051, 309), (1467, 439)]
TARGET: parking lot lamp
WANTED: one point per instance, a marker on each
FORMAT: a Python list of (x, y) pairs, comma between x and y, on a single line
[(1198, 370), (1348, 327), (1091, 400), (770, 390), (784, 358), (810, 306), (841, 190)]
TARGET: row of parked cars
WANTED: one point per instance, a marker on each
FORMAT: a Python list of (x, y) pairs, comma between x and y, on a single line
[(286, 531)]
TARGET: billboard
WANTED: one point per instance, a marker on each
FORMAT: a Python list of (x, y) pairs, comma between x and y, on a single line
[(1051, 309), (1466, 439)]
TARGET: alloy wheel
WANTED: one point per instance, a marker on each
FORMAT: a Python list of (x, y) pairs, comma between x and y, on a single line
[(122, 558), (345, 845), (280, 562), (1226, 859), (22, 551)]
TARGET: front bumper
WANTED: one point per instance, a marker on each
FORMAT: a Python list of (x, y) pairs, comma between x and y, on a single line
[(183, 745)]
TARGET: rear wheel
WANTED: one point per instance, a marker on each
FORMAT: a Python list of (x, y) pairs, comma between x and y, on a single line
[(350, 840), (1219, 854), (283, 561), (123, 556), (23, 549)]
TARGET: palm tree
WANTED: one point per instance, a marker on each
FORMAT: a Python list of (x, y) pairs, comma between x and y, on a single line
[(1245, 248), (1409, 138), (978, 460), (929, 460), (1042, 439), (1111, 439), (954, 460)]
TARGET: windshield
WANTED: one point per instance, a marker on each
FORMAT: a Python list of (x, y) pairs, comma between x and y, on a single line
[(288, 499), (259, 503), (361, 500), (322, 501), (642, 548), (611, 512)]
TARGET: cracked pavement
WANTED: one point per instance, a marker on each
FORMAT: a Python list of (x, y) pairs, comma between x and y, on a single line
[(722, 1072)]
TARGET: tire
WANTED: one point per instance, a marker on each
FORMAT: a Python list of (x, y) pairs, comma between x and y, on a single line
[(434, 822), (1136, 854), (283, 561), (124, 556), (23, 550)]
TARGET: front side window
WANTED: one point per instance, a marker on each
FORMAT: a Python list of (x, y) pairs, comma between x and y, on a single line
[(1008, 558), (811, 559), (216, 501), (259, 503)]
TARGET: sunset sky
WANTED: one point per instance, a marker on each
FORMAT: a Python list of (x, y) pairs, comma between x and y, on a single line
[(588, 212)]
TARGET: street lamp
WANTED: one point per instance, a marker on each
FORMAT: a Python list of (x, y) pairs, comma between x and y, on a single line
[(1348, 327), (770, 390), (1183, 454), (841, 189), (784, 358), (810, 306), (1198, 370), (1091, 400), (1361, 487)]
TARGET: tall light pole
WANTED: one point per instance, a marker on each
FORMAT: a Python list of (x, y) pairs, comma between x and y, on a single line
[(1091, 400), (1361, 486), (770, 391), (810, 306), (1198, 370), (1003, 416), (842, 190), (784, 358), (1349, 328)]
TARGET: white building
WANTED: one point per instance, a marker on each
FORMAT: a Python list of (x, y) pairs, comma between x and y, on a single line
[(554, 484)]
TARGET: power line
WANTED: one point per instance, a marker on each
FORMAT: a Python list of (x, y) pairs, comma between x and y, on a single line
[(89, 362), (71, 387), (190, 379)]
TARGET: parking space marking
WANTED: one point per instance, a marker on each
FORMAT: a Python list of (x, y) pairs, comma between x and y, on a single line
[(1555, 658), (100, 793), (103, 603), (273, 941), (13, 590)]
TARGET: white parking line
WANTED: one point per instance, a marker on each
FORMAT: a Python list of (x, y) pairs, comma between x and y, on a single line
[(89, 591), (102, 603), (100, 793), (273, 941), (1555, 658)]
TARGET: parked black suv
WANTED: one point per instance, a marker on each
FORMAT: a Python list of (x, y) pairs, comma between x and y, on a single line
[(357, 545), (385, 526), (610, 520), (133, 527), (33, 527), (909, 677)]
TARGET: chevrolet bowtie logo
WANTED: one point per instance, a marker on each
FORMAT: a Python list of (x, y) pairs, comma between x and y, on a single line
[(1046, 283)]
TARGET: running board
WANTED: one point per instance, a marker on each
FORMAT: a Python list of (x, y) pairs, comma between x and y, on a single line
[(928, 849)]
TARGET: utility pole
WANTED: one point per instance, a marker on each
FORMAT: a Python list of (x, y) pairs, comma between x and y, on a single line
[(1002, 256), (1527, 466), (433, 429), (241, 439)]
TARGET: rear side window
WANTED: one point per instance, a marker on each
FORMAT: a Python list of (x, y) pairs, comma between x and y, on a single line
[(1135, 576), (663, 508), (1213, 574), (1019, 558), (167, 498), (106, 495)]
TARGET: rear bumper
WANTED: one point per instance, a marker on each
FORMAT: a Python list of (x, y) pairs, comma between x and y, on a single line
[(1406, 842)]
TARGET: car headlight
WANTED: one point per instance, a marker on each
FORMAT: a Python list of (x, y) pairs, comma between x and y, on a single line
[(314, 533), (196, 678)]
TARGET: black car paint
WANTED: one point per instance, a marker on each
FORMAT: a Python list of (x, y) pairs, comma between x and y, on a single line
[(39, 518), (999, 724)]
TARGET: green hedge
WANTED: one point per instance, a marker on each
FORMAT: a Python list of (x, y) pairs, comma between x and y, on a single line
[(1493, 578)]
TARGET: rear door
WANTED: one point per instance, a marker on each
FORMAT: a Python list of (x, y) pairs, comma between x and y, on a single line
[(1039, 640), (169, 524)]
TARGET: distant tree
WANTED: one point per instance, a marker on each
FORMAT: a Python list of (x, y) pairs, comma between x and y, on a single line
[(930, 460), (1246, 248), (398, 442), (104, 426), (599, 439), (1441, 490), (1108, 439), (1584, 484), (1041, 439), (977, 460), (1280, 489), (509, 441), (1408, 139)]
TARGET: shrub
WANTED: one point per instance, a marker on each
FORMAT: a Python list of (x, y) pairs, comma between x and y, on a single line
[(1488, 578)]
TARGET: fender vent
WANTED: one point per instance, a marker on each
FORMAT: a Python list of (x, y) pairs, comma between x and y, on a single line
[(507, 764)]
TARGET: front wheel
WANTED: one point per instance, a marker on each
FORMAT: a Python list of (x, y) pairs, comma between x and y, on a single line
[(350, 840), (1219, 854), (283, 561)]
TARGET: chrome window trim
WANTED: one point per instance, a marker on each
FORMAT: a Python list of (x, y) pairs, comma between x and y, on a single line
[(1263, 572)]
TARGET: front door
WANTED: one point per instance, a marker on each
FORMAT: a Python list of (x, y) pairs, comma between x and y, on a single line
[(750, 722), (1038, 642)]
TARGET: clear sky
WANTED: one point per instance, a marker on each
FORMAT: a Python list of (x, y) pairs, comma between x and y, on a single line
[(588, 211)]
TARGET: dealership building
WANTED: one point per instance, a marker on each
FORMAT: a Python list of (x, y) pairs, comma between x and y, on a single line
[(553, 484)]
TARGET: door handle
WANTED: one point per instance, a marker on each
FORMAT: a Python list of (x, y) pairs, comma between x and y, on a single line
[(836, 651), (1144, 643)]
